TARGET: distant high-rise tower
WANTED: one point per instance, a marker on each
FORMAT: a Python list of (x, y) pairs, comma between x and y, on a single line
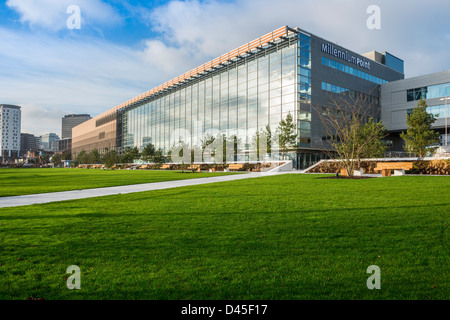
[(10, 122), (72, 120), (46, 141)]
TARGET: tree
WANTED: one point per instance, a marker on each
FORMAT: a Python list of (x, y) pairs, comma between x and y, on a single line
[(375, 131), (286, 133), (130, 154), (262, 138), (93, 157), (419, 136), (268, 135), (66, 155), (212, 147), (110, 158), (82, 157), (45, 158), (158, 158), (177, 153), (208, 141), (196, 154), (148, 152), (56, 158), (351, 132), (256, 144), (229, 147)]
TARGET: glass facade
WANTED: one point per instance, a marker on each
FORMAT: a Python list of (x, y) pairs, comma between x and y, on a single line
[(394, 62), (437, 111), (430, 92), (353, 71), (237, 96), (237, 99), (344, 91)]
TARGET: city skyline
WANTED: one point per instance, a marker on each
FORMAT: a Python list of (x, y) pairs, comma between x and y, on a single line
[(126, 48)]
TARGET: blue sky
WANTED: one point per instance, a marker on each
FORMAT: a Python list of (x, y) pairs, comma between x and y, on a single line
[(125, 48)]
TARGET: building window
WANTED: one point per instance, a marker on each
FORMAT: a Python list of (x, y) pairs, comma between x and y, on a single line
[(430, 92), (352, 71)]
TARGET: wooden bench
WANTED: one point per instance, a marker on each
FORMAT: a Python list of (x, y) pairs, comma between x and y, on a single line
[(235, 166), (356, 172), (194, 167), (398, 167), (165, 166)]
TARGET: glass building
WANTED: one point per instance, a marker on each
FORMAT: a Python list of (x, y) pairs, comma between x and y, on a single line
[(235, 99), (288, 71)]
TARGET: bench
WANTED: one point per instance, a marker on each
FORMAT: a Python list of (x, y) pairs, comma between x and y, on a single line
[(356, 172), (165, 166), (235, 166), (194, 167), (398, 167)]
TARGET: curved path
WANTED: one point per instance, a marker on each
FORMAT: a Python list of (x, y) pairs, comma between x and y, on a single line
[(31, 199)]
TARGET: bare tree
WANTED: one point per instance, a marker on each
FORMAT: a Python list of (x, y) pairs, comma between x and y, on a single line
[(350, 129)]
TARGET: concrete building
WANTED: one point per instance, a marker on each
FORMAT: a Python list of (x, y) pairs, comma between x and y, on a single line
[(398, 98), (68, 122), (71, 120), (287, 71), (64, 145), (10, 119), (27, 143)]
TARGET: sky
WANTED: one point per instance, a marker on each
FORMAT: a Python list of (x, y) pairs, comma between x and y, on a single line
[(124, 48)]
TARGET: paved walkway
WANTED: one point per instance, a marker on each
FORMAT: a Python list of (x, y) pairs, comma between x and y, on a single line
[(25, 200)]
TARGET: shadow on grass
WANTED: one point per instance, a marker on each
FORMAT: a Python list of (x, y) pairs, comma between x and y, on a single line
[(423, 208)]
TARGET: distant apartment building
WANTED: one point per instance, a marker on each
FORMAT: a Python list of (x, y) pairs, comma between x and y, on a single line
[(38, 142), (28, 142), (71, 120), (10, 119)]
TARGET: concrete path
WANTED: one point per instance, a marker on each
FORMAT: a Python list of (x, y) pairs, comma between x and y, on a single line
[(31, 199)]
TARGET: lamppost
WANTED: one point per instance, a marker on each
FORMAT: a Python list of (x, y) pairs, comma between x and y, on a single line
[(445, 99)]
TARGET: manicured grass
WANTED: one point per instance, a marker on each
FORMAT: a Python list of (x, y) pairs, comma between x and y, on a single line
[(278, 237), (15, 182)]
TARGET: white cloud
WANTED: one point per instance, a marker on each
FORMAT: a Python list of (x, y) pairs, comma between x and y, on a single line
[(409, 29), (52, 14), (51, 76), (168, 59), (39, 120)]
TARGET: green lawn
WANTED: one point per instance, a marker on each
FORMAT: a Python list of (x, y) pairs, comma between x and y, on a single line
[(278, 237), (15, 182)]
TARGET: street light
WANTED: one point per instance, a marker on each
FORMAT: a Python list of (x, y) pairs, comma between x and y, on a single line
[(445, 99)]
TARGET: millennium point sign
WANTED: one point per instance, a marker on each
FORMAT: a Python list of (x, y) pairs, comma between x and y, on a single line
[(344, 55)]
